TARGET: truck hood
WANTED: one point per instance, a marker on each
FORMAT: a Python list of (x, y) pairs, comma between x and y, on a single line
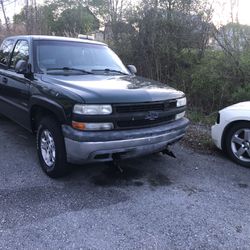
[(113, 89)]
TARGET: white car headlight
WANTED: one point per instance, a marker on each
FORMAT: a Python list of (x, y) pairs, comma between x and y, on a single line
[(181, 102), (89, 109)]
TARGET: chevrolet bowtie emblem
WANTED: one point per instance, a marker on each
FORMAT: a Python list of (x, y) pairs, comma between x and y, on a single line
[(152, 115)]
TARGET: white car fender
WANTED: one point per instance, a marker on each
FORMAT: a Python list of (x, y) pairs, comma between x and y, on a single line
[(236, 112)]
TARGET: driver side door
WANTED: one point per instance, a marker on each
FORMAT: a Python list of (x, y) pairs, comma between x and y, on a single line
[(17, 86)]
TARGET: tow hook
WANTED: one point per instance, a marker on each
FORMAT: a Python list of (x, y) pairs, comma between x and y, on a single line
[(117, 162), (169, 152)]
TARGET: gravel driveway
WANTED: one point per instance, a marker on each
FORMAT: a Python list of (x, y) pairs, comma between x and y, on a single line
[(196, 201)]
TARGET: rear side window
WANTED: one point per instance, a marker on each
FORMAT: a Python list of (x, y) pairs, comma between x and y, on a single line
[(5, 51), (21, 52)]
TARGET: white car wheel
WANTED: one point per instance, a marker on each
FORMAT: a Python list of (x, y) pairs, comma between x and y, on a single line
[(238, 143)]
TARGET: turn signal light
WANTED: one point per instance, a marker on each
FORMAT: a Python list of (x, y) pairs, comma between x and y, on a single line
[(92, 126), (78, 125)]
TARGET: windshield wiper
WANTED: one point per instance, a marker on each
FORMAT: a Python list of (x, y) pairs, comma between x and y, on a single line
[(68, 69), (110, 71)]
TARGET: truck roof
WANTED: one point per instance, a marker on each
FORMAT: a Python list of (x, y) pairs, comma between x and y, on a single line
[(56, 38)]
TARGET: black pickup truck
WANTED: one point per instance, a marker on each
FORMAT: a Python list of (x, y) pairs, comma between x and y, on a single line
[(83, 104)]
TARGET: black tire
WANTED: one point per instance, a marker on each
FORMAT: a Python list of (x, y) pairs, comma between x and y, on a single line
[(49, 126), (231, 148)]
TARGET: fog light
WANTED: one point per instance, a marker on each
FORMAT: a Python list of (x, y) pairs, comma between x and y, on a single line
[(92, 126), (180, 115)]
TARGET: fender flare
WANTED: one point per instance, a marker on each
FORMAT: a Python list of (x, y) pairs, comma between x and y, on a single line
[(48, 104)]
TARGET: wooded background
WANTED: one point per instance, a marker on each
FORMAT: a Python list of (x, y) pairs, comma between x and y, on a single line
[(173, 41)]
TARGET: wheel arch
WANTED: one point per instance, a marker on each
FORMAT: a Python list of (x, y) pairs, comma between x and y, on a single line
[(227, 128), (41, 106)]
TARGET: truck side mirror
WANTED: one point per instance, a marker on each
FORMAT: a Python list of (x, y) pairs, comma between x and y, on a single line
[(132, 69), (22, 67)]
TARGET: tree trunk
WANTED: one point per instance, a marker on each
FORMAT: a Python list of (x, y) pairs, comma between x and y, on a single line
[(5, 17)]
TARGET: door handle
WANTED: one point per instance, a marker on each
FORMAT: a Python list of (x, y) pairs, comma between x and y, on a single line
[(5, 80)]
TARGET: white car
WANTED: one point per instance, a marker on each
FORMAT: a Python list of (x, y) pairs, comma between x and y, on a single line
[(231, 133)]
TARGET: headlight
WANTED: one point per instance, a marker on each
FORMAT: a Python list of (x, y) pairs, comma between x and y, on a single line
[(87, 109), (180, 115), (92, 126), (181, 102)]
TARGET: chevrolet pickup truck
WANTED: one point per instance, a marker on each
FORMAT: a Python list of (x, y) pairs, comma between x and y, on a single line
[(83, 104)]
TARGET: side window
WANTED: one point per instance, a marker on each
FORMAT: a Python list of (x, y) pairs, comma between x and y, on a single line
[(21, 52), (5, 51)]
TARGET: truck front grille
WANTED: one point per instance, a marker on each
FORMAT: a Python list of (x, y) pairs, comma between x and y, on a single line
[(145, 107), (142, 115), (144, 123)]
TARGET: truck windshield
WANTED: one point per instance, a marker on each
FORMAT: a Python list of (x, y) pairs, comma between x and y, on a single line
[(56, 56)]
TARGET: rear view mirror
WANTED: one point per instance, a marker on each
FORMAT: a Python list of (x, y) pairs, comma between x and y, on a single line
[(132, 69), (21, 67)]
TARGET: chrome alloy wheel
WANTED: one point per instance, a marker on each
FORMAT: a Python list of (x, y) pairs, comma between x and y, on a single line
[(240, 144), (48, 150)]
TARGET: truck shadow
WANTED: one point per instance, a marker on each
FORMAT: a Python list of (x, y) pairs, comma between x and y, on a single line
[(129, 175)]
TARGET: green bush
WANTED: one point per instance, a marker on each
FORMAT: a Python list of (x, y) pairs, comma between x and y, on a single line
[(242, 94), (216, 82)]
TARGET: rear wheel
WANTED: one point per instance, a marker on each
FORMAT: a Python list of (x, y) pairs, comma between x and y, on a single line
[(51, 148), (238, 143)]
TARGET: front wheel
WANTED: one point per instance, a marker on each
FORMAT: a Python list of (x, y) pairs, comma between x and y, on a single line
[(51, 148), (238, 143)]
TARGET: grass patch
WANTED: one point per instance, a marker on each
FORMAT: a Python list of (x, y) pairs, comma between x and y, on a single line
[(197, 117), (198, 136)]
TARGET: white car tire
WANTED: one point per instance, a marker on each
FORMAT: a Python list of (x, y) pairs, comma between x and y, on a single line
[(237, 143)]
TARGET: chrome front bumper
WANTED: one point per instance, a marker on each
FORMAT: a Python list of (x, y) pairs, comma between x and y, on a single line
[(82, 147)]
